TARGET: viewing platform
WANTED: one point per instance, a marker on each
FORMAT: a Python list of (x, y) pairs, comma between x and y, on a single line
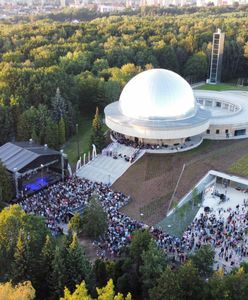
[(109, 166), (190, 143)]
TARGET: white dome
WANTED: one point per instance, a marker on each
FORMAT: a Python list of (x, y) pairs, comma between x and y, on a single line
[(157, 94)]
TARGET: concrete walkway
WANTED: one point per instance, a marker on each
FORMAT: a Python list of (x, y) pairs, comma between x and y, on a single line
[(106, 169), (197, 84)]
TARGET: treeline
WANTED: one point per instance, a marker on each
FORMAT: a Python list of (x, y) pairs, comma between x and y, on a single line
[(50, 125), (90, 62), (85, 14), (28, 252), (6, 187)]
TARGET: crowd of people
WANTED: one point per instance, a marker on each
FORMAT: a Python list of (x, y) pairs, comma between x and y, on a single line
[(57, 202), (121, 139), (113, 151), (225, 230)]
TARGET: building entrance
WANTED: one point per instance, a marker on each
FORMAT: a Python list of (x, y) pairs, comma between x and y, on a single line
[(239, 132)]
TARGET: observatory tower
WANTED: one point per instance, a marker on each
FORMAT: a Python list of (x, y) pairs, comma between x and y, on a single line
[(216, 57)]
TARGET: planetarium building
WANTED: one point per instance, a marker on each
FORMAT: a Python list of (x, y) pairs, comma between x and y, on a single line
[(158, 107), (158, 110)]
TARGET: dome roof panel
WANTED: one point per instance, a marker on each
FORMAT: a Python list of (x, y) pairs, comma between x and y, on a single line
[(157, 94)]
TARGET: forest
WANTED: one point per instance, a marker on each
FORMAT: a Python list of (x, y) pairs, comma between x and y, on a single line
[(36, 265), (52, 72)]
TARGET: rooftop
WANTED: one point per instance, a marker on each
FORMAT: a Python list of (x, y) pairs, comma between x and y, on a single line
[(15, 156), (157, 94)]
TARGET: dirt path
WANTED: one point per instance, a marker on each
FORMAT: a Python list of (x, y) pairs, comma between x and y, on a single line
[(90, 249)]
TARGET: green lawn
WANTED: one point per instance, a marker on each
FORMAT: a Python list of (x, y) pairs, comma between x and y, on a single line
[(221, 87), (202, 148), (84, 132), (240, 167)]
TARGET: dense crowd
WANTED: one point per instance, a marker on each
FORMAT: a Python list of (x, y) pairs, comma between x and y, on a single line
[(225, 230), (113, 151), (121, 139), (58, 201)]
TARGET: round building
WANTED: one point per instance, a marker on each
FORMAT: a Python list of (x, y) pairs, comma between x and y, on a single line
[(158, 107)]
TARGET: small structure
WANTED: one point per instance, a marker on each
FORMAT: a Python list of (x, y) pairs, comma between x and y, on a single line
[(94, 154), (216, 58)]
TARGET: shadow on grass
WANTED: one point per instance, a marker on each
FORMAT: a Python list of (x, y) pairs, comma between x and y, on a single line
[(84, 132), (154, 207), (179, 220), (240, 167)]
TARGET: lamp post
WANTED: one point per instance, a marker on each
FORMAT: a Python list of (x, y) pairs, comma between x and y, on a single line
[(16, 182), (78, 153), (42, 173), (62, 164)]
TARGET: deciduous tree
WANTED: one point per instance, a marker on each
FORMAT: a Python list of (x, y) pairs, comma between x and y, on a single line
[(153, 265), (203, 260), (94, 219), (167, 287), (21, 291)]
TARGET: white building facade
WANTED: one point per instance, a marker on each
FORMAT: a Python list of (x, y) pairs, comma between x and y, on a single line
[(158, 107)]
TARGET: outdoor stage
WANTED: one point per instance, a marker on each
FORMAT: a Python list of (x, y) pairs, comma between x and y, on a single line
[(39, 182)]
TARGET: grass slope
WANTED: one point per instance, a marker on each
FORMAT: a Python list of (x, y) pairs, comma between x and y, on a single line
[(240, 167), (84, 131), (152, 179), (222, 87)]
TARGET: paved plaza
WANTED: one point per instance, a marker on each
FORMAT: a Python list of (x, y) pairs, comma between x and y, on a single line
[(233, 205), (105, 169)]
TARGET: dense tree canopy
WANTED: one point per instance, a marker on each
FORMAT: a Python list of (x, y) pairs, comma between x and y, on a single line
[(94, 219), (50, 70), (105, 293), (6, 188), (22, 291), (89, 62), (28, 252)]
